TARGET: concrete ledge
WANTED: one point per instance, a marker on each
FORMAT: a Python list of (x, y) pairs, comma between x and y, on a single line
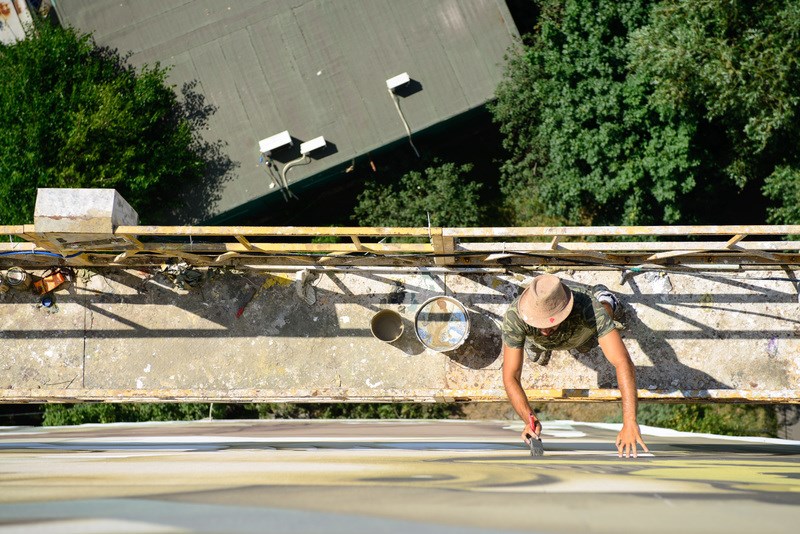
[(130, 335)]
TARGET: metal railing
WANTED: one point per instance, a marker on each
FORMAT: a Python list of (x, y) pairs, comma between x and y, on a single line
[(708, 247)]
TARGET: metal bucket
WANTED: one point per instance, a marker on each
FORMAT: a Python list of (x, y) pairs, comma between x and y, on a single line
[(442, 323), (18, 279), (387, 325)]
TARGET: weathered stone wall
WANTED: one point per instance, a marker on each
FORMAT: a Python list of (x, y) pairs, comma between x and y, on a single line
[(133, 335)]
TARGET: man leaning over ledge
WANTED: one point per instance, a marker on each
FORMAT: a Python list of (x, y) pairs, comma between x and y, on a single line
[(551, 315)]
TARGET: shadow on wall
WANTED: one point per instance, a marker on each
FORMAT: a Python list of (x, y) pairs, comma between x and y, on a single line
[(666, 374), (273, 306)]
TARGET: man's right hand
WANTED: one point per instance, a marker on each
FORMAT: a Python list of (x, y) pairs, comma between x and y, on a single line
[(535, 431), (512, 371)]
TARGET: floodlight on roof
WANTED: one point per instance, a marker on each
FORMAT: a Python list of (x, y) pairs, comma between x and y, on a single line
[(274, 142), (313, 144), (396, 81)]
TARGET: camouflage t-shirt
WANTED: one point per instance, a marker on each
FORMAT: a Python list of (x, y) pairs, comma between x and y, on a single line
[(587, 319)]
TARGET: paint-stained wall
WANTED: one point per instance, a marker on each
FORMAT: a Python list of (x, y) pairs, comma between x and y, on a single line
[(276, 336)]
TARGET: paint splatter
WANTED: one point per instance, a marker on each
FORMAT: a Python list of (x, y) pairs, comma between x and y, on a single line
[(772, 347)]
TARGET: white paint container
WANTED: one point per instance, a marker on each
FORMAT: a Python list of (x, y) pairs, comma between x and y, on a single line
[(442, 324)]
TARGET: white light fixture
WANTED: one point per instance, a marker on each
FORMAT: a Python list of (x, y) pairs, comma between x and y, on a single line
[(311, 145), (274, 142), (396, 81)]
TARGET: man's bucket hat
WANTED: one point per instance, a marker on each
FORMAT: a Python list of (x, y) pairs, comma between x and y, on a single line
[(545, 302)]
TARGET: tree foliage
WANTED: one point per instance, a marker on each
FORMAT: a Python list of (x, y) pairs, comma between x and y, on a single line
[(584, 142), (724, 419), (77, 414), (733, 68), (442, 190), (645, 112), (73, 114), (358, 410)]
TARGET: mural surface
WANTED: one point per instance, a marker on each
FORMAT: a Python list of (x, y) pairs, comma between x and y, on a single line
[(345, 476)]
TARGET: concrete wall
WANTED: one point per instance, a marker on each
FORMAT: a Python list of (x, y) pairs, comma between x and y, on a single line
[(133, 335)]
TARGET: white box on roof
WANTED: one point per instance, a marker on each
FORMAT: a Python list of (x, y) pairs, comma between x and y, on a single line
[(274, 142)]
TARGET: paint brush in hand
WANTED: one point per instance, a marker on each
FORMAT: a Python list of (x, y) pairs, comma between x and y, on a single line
[(535, 441)]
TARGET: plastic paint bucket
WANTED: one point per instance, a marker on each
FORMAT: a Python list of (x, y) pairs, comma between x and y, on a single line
[(387, 325), (18, 279), (442, 324)]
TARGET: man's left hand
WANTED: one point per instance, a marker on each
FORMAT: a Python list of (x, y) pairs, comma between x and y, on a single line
[(627, 439)]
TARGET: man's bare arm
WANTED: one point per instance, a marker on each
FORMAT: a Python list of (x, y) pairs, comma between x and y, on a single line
[(616, 353), (512, 375)]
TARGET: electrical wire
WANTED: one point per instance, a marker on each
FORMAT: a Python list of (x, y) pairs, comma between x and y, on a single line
[(403, 118), (38, 253), (302, 160), (268, 169)]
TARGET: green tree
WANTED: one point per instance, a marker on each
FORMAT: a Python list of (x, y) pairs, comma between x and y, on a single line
[(732, 67), (443, 190), (644, 112), (73, 114), (585, 146), (783, 185), (359, 410), (724, 419), (76, 414)]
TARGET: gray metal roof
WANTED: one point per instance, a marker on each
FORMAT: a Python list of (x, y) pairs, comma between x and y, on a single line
[(312, 67)]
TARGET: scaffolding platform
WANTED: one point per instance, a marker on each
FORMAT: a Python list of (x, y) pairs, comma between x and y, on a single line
[(273, 335)]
